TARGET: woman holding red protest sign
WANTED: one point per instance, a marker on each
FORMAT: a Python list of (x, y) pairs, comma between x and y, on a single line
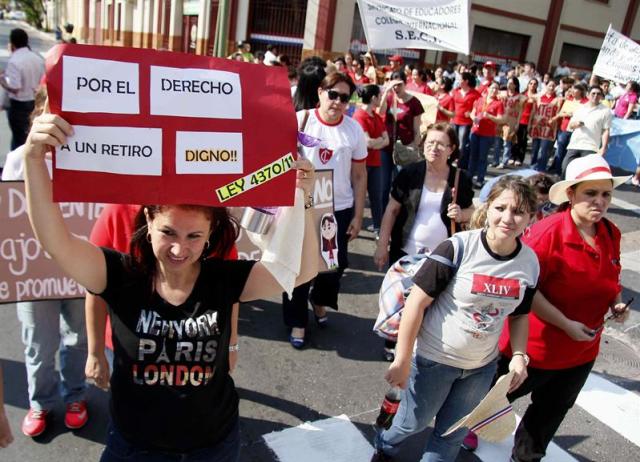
[(171, 393), (487, 113), (543, 126)]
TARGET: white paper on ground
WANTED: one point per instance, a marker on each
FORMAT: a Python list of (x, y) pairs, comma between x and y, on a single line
[(335, 439)]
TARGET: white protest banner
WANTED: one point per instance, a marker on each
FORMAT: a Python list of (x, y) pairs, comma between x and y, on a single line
[(619, 58), (428, 24)]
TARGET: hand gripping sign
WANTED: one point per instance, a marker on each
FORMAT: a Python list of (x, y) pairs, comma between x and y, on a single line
[(170, 128)]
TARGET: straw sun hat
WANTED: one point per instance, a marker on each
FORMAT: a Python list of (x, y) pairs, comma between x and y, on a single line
[(587, 168)]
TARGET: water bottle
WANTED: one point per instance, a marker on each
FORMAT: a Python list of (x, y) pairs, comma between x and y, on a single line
[(389, 408)]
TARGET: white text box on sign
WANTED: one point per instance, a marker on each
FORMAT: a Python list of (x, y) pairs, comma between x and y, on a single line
[(100, 85), (195, 93), (200, 153), (111, 150)]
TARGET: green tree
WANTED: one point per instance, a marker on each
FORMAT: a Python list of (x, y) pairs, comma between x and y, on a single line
[(35, 10)]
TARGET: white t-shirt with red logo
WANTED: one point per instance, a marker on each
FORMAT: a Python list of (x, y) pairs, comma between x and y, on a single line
[(340, 145), (462, 326)]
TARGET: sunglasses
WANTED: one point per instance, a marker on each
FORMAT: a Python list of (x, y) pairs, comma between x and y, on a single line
[(334, 95)]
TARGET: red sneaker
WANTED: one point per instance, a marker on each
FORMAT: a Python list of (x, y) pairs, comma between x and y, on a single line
[(470, 442), (76, 415), (34, 423)]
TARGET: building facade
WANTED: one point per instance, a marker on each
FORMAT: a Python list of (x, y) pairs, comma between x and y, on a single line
[(545, 32)]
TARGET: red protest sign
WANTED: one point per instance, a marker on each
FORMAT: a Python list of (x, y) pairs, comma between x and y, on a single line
[(170, 128), (542, 125)]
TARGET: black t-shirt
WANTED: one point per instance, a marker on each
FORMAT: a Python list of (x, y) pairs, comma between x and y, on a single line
[(170, 387)]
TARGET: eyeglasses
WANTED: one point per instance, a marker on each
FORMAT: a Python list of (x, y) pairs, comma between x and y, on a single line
[(436, 145), (334, 95)]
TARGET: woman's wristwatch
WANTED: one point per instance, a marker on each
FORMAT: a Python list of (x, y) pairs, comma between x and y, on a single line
[(524, 356), (234, 347)]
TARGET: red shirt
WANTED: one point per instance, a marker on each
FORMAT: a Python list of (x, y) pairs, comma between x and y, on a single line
[(422, 88), (463, 104), (482, 125), (406, 114), (580, 281), (373, 125), (527, 109), (363, 80), (445, 100)]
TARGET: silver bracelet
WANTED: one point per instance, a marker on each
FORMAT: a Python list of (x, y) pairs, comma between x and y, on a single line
[(233, 348)]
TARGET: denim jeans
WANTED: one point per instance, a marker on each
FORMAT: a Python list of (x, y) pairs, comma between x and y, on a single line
[(388, 171), (374, 189), (562, 142), (501, 151), (463, 132), (540, 153), (497, 149), (444, 392), (120, 450), (46, 327), (506, 151), (478, 157)]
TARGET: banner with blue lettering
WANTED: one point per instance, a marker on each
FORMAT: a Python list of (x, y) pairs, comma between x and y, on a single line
[(623, 150), (171, 128)]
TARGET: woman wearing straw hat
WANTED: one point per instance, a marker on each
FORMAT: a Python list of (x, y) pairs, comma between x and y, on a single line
[(455, 312), (579, 254)]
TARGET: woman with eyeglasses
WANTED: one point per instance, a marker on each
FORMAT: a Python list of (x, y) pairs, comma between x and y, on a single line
[(402, 116), (342, 148), (420, 210)]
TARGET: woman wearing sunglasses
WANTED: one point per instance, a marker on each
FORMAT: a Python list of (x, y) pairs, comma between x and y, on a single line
[(342, 148)]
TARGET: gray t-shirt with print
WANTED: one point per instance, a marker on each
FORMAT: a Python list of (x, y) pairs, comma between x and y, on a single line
[(462, 326)]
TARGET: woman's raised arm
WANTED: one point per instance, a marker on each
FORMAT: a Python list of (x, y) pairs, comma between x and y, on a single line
[(80, 259)]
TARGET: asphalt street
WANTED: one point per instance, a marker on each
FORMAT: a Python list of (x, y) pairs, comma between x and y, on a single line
[(341, 370)]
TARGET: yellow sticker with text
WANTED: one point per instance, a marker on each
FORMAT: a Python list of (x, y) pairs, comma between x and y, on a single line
[(250, 181)]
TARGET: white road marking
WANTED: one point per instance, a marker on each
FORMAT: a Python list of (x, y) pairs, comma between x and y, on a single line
[(335, 439), (612, 405), (621, 204), (630, 261)]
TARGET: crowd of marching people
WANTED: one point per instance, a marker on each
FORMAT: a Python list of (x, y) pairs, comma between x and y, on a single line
[(520, 283)]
